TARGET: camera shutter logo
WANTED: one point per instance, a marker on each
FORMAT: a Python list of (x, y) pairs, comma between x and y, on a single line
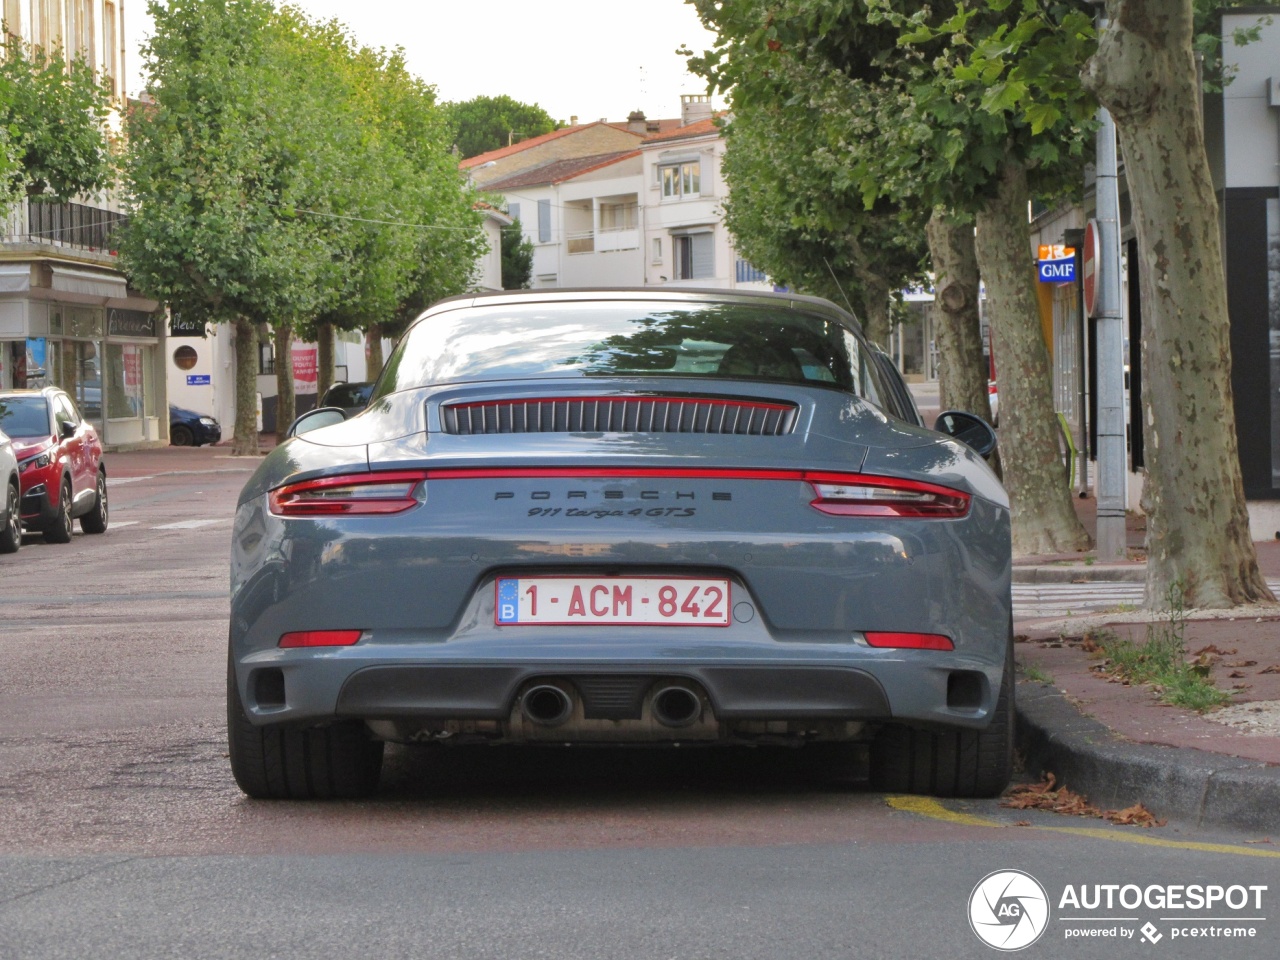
[(1009, 910)]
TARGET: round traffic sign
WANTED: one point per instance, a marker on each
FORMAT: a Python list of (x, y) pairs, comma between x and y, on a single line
[(1089, 267)]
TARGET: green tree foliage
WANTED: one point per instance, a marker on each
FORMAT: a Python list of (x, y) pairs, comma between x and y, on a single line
[(789, 217), (517, 258), (483, 123), (282, 174), (933, 107), (53, 139)]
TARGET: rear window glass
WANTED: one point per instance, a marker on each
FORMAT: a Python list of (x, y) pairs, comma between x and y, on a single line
[(24, 416), (612, 339)]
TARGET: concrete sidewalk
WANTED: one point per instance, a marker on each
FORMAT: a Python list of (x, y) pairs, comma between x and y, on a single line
[(1117, 743)]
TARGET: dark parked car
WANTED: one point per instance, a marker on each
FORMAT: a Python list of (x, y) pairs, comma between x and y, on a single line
[(625, 517), (351, 397), (59, 463), (190, 429)]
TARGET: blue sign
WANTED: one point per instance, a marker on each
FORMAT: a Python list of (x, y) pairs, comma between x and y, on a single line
[(198, 379), (1057, 271)]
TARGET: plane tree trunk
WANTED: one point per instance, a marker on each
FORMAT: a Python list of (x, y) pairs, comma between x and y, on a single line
[(246, 439), (286, 399), (1198, 539), (962, 375), (1043, 518), (373, 351), (324, 359)]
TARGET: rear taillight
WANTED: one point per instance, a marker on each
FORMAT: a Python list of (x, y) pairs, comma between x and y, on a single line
[(863, 496), (348, 495), (320, 638), (909, 641)]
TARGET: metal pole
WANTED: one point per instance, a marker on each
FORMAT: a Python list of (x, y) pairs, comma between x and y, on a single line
[(1110, 327)]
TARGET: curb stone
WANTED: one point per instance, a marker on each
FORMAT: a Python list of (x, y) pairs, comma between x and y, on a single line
[(1079, 573), (1204, 789)]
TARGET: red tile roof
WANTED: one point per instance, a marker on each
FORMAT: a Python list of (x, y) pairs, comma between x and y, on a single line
[(557, 171), (503, 152), (697, 129)]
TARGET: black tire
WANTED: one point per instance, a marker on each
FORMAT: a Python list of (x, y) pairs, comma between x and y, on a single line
[(180, 436), (952, 763), (95, 521), (11, 532), (335, 761), (60, 530)]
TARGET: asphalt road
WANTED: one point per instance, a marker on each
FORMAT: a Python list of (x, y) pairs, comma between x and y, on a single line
[(122, 834)]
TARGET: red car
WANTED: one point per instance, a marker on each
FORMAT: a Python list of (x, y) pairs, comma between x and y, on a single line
[(59, 463)]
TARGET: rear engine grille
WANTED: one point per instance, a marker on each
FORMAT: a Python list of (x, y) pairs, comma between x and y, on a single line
[(754, 418)]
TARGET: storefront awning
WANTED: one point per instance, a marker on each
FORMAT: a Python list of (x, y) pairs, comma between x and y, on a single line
[(89, 284), (15, 277)]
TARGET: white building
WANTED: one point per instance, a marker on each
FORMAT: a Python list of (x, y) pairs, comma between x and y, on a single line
[(67, 314), (646, 216)]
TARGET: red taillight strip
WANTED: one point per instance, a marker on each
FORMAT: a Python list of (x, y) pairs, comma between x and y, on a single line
[(319, 497), (320, 638), (909, 641), (292, 499)]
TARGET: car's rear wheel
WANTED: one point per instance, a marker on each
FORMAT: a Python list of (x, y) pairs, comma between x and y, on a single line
[(95, 521), (952, 763), (335, 761), (60, 530), (11, 533), (180, 436)]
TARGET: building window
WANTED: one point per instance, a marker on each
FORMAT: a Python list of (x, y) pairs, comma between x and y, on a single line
[(681, 180), (185, 357), (110, 47), (544, 221), (13, 16), (266, 358), (695, 256), (746, 273), (657, 249)]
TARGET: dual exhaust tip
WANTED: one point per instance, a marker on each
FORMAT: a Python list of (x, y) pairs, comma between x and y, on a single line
[(549, 705)]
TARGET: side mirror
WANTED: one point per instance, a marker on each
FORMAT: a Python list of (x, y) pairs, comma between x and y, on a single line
[(968, 429), (315, 419), (66, 429)]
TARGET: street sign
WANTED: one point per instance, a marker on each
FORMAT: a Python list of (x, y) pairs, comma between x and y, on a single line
[(1056, 263), (199, 380), (1089, 268)]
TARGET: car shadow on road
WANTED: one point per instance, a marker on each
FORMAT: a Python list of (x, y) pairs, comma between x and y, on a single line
[(532, 773)]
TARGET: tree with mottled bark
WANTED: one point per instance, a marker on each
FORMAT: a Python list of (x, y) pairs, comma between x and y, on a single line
[(962, 373), (1198, 539), (931, 131), (217, 165)]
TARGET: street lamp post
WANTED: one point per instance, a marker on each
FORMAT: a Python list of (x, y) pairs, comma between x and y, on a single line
[(1109, 317)]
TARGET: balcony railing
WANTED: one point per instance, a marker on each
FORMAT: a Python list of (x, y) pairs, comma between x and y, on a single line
[(63, 225), (605, 241), (745, 272)]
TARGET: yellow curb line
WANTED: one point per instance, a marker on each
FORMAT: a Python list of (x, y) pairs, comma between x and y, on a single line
[(928, 807)]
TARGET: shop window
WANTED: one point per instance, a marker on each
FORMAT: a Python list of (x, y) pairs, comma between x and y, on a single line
[(185, 357), (124, 380)]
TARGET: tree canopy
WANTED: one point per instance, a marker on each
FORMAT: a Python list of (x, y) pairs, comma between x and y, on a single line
[(53, 136), (484, 123)]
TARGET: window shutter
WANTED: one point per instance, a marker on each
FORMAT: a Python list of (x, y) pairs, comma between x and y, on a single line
[(704, 255), (513, 210), (544, 221)]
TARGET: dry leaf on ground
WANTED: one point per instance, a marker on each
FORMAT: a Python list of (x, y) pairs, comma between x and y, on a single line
[(1047, 795), (1274, 668)]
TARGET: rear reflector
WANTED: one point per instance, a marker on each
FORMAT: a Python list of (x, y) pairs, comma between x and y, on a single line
[(910, 641), (320, 638), (347, 495)]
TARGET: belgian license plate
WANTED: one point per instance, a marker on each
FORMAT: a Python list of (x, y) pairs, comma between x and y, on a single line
[(643, 601)]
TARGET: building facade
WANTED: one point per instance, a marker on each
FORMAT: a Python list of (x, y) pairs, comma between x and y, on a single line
[(67, 314)]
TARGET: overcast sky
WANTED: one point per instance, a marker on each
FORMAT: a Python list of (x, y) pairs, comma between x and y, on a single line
[(584, 58)]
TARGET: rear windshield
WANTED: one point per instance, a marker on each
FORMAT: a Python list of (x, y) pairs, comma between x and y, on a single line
[(612, 339), (24, 416)]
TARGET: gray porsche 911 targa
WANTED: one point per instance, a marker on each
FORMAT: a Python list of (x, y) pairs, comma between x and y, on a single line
[(625, 517)]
